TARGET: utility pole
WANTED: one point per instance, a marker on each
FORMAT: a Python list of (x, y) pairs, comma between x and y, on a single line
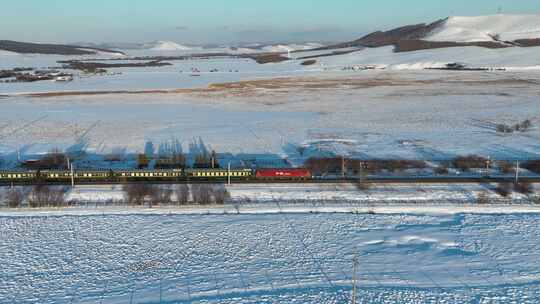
[(355, 280), (72, 176), (517, 172), (360, 171), (343, 166), (229, 173)]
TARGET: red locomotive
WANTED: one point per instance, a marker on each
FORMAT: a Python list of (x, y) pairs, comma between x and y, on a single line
[(288, 173)]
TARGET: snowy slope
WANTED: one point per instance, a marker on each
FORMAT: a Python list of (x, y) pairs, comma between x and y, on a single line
[(483, 28), (509, 58), (7, 53), (169, 46), (291, 47)]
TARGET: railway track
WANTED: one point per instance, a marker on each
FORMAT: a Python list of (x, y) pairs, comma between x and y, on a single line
[(351, 180)]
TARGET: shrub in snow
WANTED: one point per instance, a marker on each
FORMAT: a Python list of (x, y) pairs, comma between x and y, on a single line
[(523, 187), (504, 189), (533, 166), (465, 163), (482, 198)]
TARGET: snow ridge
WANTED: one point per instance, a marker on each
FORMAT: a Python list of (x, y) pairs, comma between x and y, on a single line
[(169, 46), (487, 28)]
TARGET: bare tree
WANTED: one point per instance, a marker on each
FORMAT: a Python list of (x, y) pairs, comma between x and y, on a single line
[(15, 198), (182, 194), (504, 189), (442, 169), (136, 194), (201, 194), (465, 163), (46, 196), (506, 167), (363, 185), (220, 194), (160, 196), (482, 198), (523, 187)]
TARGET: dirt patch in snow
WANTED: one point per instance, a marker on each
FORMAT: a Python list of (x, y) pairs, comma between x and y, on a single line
[(278, 85)]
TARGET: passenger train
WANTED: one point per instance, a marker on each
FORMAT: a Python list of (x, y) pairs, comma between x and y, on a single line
[(173, 175)]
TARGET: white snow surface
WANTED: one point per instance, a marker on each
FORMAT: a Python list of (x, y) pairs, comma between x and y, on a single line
[(517, 59), (280, 48), (169, 46), (484, 28), (274, 258)]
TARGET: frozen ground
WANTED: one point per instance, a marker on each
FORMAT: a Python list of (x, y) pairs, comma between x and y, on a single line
[(274, 258)]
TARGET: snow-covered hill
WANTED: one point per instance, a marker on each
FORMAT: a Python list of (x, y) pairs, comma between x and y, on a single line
[(487, 28), (169, 46), (281, 48)]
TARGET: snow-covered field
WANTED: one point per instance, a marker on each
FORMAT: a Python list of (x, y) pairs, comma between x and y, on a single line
[(409, 114), (317, 194), (397, 110), (274, 258), (178, 74)]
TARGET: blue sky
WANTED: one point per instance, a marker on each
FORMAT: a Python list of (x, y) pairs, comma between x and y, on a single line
[(219, 21)]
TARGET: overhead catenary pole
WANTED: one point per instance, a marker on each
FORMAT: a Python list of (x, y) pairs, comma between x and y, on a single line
[(354, 279), (517, 172), (342, 166), (229, 173), (72, 176)]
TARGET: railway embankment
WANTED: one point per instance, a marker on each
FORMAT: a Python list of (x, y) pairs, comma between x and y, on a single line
[(269, 198)]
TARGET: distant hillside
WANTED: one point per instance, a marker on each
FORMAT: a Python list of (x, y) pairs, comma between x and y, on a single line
[(49, 49), (497, 31), (505, 28)]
